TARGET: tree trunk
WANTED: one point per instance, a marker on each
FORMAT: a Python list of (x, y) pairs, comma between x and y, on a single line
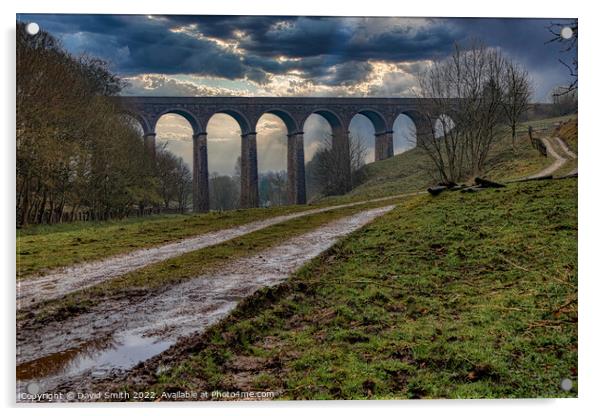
[(40, 213), (514, 137), (25, 205)]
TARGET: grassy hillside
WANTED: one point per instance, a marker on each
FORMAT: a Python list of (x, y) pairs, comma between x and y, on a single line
[(409, 171), (506, 163), (458, 296), (568, 132)]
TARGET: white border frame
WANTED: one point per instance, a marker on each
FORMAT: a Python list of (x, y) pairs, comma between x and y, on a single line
[(590, 151)]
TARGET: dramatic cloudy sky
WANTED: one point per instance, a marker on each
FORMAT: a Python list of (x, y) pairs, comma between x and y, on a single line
[(288, 56)]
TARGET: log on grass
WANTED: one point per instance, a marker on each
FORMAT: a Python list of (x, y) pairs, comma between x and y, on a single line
[(436, 190), (488, 184)]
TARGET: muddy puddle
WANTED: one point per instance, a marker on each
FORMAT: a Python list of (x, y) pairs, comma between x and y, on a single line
[(118, 335), (56, 284)]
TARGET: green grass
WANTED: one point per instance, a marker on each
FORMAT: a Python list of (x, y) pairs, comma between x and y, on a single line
[(507, 163), (42, 248), (457, 296), (405, 172), (158, 276)]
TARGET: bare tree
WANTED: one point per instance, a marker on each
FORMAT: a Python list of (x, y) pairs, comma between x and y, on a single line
[(357, 156), (183, 185), (465, 89), (564, 101), (517, 93), (569, 45), (224, 192), (327, 168), (174, 178)]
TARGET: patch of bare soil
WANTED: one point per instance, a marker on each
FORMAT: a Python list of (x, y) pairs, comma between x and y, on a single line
[(115, 336)]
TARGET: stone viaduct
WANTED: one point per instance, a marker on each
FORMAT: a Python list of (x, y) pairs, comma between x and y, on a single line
[(293, 111)]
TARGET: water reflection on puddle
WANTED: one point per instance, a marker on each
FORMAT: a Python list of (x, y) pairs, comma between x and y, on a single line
[(99, 357)]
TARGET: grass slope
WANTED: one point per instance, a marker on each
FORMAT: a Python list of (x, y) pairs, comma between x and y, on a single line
[(567, 131), (405, 172), (458, 296)]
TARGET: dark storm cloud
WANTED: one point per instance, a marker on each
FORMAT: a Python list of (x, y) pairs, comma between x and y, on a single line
[(346, 74), (524, 39), (306, 37), (326, 50), (149, 44), (154, 48), (226, 26)]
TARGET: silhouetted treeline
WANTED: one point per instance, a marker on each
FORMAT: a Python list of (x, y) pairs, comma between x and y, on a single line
[(78, 157)]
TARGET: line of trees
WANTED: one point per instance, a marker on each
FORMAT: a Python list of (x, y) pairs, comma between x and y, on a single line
[(224, 192), (484, 94), (175, 180), (78, 157)]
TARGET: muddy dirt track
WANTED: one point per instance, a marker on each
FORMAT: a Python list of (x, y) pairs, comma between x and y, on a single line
[(57, 284), (559, 160), (116, 335)]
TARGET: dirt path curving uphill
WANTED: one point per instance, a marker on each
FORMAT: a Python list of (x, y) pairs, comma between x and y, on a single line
[(568, 152), (559, 161), (116, 335), (565, 148), (57, 284)]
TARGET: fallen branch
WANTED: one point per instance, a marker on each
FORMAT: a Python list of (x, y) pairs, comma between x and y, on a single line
[(570, 302), (436, 190), (539, 178), (484, 183)]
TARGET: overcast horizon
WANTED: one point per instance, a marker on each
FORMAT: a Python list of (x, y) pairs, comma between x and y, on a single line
[(187, 55)]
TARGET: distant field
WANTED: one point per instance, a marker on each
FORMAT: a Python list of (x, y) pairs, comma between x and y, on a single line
[(456, 296)]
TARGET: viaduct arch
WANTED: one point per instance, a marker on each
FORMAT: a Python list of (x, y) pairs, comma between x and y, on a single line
[(293, 111)]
